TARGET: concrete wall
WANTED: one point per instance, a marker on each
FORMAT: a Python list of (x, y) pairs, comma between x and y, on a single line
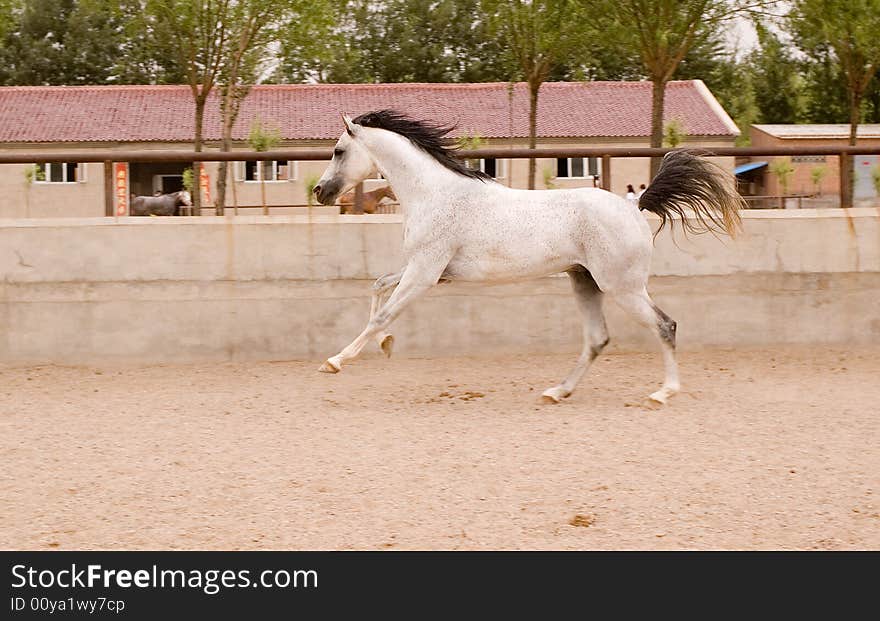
[(281, 287)]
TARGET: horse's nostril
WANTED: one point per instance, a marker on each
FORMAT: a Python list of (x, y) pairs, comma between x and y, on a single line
[(317, 190)]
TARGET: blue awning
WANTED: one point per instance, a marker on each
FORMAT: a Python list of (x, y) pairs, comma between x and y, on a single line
[(744, 168)]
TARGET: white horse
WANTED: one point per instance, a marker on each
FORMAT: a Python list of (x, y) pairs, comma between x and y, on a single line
[(459, 225)]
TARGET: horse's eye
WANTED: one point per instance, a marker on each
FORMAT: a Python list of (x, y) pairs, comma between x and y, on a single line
[(338, 152)]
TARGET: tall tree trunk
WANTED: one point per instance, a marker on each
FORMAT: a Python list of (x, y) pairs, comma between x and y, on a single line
[(197, 182), (223, 168), (229, 113), (234, 196), (534, 87), (658, 96), (225, 145), (510, 93), (222, 172), (855, 116)]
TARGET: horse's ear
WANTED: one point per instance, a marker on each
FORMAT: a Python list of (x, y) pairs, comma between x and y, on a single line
[(349, 125)]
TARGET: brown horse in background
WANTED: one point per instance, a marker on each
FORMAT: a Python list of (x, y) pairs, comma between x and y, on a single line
[(371, 199)]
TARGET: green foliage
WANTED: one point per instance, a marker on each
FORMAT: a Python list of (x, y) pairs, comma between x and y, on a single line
[(82, 42), (777, 81), (817, 174), (673, 134), (549, 178), (825, 96), (470, 141), (875, 178), (733, 84), (392, 41), (538, 35), (663, 33), (847, 31), (188, 180), (34, 173), (8, 11), (781, 167), (263, 137)]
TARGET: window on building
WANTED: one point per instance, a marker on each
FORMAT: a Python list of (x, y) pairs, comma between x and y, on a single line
[(491, 166), (54, 172), (577, 167), (272, 170)]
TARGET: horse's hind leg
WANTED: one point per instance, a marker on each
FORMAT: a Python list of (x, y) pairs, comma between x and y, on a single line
[(589, 301), (642, 308), (383, 284)]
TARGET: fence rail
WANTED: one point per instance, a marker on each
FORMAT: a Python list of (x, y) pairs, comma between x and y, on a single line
[(108, 157)]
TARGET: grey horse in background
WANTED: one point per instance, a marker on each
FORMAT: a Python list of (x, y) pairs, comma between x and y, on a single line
[(162, 205)]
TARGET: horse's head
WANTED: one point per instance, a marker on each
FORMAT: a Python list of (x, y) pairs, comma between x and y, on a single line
[(184, 198), (350, 165)]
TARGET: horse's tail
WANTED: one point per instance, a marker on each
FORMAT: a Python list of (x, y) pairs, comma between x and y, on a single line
[(690, 185)]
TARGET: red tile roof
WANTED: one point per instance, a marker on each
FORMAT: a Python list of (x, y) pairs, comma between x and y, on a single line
[(311, 111)]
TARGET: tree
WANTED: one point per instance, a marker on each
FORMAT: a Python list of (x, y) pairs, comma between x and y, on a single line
[(733, 84), (253, 26), (83, 42), (263, 138), (817, 174), (8, 12), (782, 168), (673, 134), (310, 43), (778, 80), (58, 42), (392, 41), (199, 34), (825, 95), (147, 48), (537, 36), (848, 29), (663, 32)]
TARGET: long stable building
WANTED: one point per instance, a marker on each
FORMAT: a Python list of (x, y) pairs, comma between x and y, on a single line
[(80, 118)]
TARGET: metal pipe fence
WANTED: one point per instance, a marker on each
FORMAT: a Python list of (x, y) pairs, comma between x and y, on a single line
[(606, 154)]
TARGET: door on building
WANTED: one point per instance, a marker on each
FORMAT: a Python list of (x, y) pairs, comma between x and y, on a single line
[(166, 184), (866, 166)]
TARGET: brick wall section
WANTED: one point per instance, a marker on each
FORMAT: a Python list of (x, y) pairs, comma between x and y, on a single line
[(801, 181)]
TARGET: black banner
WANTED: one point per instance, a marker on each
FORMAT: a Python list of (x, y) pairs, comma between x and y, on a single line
[(170, 585)]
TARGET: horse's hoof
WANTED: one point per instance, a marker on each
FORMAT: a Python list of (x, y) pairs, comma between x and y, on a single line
[(657, 400), (554, 395), (661, 397), (328, 367), (387, 345)]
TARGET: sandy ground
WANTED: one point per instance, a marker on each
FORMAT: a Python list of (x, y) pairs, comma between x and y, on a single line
[(765, 449)]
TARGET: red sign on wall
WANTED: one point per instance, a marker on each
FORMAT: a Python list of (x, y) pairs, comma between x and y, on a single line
[(120, 173), (204, 185)]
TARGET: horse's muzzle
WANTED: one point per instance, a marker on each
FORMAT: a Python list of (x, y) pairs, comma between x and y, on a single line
[(326, 193)]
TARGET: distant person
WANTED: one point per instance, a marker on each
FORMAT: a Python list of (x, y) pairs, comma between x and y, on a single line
[(641, 191), (630, 193)]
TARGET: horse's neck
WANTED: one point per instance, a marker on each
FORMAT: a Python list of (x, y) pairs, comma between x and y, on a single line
[(416, 177)]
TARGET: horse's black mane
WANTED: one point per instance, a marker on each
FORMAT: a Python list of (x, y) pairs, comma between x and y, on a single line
[(426, 135)]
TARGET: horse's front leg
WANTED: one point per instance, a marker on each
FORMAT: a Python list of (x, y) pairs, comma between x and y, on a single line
[(416, 279), (383, 284)]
